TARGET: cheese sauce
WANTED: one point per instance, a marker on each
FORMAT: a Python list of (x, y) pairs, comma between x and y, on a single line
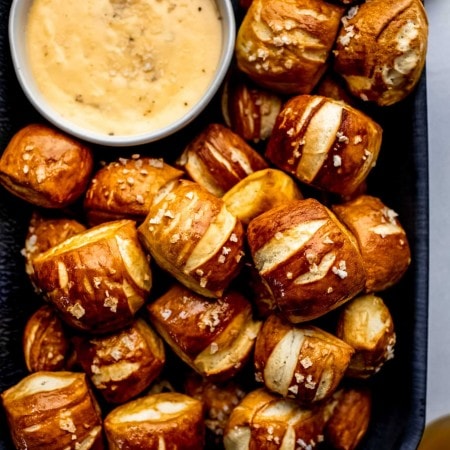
[(122, 67)]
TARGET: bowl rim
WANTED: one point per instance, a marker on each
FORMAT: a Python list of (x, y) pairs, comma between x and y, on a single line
[(17, 44)]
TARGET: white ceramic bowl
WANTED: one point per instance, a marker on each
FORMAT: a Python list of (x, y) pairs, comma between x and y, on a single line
[(17, 23)]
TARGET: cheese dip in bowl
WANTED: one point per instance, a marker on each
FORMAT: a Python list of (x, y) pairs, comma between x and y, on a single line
[(121, 72)]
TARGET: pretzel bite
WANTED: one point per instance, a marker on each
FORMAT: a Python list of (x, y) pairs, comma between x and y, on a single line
[(266, 421), (123, 364), (45, 167), (306, 257), (53, 411), (168, 420), (214, 337), (350, 418), (44, 233), (324, 143), (381, 49), (249, 110), (366, 324), (245, 3), (97, 279), (284, 45), (191, 234), (45, 343), (260, 191), (219, 400), (382, 241), (218, 158), (331, 85), (301, 362), (125, 189), (261, 296)]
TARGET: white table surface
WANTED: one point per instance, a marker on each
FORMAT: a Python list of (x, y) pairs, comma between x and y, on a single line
[(438, 92)]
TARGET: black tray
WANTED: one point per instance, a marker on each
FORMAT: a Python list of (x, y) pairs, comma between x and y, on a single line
[(400, 180)]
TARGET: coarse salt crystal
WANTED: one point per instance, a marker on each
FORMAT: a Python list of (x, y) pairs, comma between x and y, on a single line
[(306, 362), (337, 161), (214, 348), (341, 270), (76, 310)]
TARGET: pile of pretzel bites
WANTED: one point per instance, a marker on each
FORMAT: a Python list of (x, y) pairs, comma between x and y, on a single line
[(232, 296)]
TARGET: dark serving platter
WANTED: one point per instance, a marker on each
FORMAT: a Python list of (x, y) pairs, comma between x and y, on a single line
[(400, 179)]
